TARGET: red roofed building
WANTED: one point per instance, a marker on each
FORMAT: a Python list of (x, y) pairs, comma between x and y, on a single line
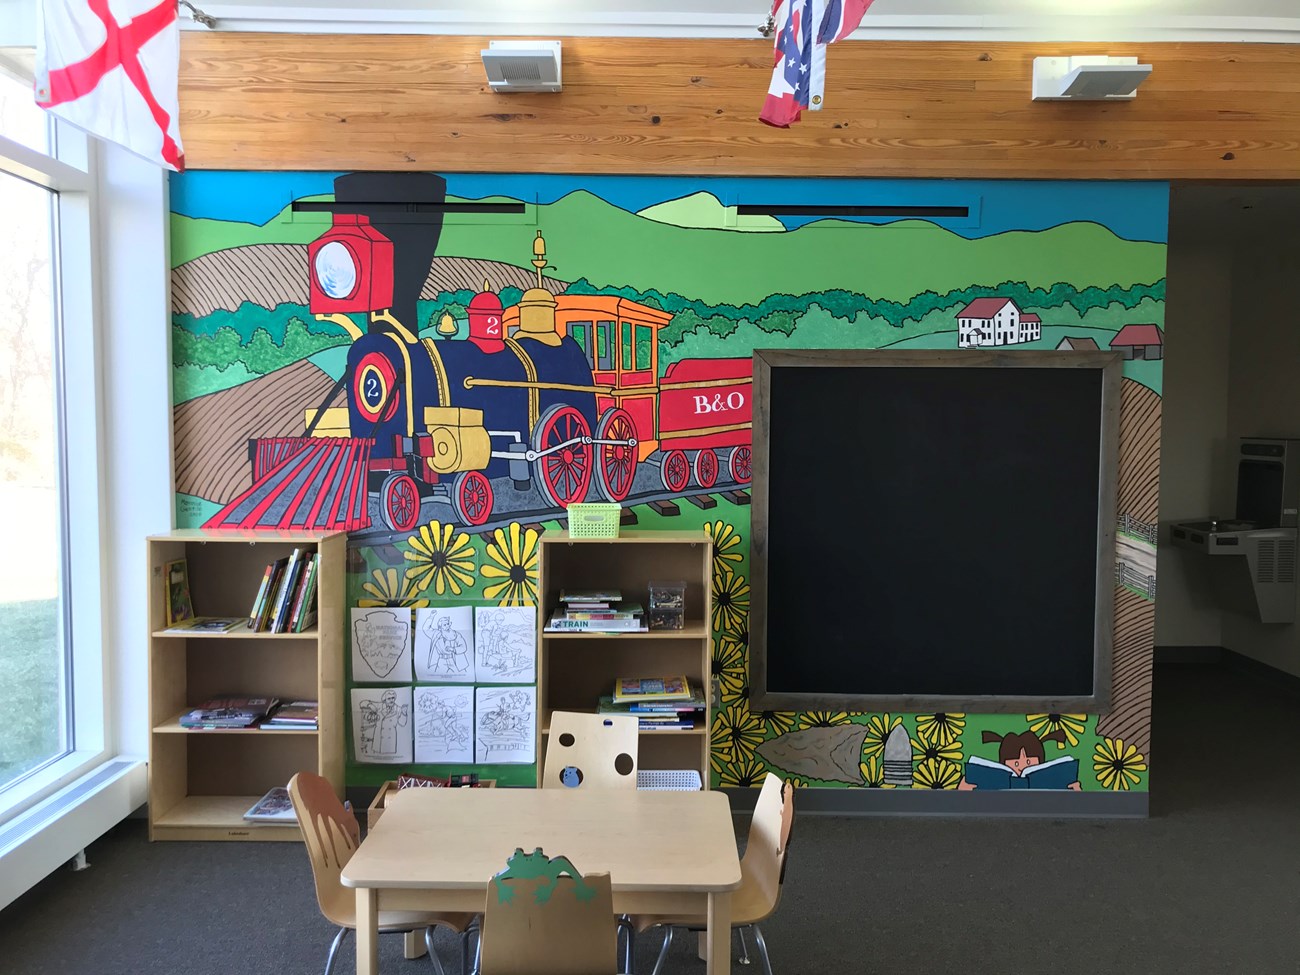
[(1139, 342), (995, 321)]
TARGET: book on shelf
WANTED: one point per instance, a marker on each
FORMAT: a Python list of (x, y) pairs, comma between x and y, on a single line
[(206, 624), (176, 588), (304, 610), (665, 710), (274, 807), (284, 595), (259, 601), (562, 624), (622, 611), (228, 712), (300, 715), (651, 689), (1060, 773), (266, 603), (591, 595)]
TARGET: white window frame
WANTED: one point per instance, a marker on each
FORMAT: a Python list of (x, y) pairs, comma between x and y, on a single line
[(70, 172)]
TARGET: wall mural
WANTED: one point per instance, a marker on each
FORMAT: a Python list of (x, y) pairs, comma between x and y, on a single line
[(438, 363)]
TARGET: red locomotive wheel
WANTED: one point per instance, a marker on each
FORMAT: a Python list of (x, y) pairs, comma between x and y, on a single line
[(706, 468), (563, 475), (617, 462), (399, 502), (739, 465), (676, 472), (471, 495)]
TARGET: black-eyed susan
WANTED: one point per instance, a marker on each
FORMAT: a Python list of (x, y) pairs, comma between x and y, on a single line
[(936, 773), (728, 668), (823, 719), (730, 601), (512, 563), (873, 772), (441, 558), (923, 748), (878, 728), (744, 773), (728, 552), (386, 587), (1117, 765), (1071, 725), (736, 733), (942, 728), (776, 722)]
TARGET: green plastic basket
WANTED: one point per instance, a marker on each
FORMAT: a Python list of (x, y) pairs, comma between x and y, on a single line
[(593, 520)]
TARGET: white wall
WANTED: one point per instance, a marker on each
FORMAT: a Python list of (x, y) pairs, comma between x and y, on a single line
[(17, 23), (1193, 441)]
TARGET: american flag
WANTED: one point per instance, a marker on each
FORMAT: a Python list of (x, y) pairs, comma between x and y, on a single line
[(111, 67), (799, 60)]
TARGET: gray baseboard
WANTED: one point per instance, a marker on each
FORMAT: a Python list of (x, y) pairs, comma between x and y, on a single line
[(939, 802)]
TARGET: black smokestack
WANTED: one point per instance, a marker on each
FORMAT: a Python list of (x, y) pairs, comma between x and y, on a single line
[(414, 231)]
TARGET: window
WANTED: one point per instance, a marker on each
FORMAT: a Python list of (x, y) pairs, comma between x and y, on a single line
[(581, 333), (627, 345), (644, 347), (51, 656), (604, 342)]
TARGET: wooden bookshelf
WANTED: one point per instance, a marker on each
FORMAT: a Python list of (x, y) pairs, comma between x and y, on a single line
[(202, 781), (575, 669)]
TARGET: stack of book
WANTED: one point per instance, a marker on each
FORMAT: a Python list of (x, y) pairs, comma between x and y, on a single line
[(294, 716), (274, 807), (659, 703), (286, 599), (597, 611), (228, 712)]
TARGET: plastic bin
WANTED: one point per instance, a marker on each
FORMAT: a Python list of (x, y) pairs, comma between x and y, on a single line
[(594, 520)]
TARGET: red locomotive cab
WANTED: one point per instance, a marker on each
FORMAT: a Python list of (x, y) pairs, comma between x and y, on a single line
[(486, 329), (351, 267)]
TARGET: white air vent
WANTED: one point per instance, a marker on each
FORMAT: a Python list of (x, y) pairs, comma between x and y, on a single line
[(522, 65)]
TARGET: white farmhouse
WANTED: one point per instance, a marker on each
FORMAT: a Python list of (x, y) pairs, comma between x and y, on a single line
[(995, 321)]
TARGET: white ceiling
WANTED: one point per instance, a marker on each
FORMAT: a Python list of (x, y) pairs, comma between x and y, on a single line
[(1094, 20)]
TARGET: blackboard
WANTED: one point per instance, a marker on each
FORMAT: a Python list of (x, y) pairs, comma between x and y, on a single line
[(933, 530)]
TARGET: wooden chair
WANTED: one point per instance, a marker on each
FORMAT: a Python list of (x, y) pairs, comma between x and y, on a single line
[(545, 918), (762, 871), (591, 751), (332, 835)]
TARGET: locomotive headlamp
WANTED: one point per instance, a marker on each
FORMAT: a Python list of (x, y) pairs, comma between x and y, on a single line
[(336, 270)]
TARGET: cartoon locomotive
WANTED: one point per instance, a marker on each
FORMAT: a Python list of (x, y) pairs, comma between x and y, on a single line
[(557, 393)]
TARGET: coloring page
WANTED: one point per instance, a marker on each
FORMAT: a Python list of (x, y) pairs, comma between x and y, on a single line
[(444, 724), (444, 644), (505, 644), (505, 725), (381, 646), (381, 724)]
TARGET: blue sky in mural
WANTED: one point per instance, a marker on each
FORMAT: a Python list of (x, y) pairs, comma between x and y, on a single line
[(1132, 210)]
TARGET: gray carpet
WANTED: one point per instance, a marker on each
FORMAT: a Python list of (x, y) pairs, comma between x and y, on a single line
[(1209, 884)]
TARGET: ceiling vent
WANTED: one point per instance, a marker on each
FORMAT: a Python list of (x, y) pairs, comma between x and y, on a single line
[(522, 65), (1087, 78)]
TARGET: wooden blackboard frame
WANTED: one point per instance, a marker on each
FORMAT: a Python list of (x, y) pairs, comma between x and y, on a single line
[(1109, 364)]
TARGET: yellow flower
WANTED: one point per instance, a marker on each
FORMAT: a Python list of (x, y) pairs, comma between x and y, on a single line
[(513, 557), (936, 773), (776, 722), (730, 601), (386, 588), (1117, 765), (728, 666), (873, 773), (1071, 724), (823, 719), (942, 729), (797, 783), (878, 728), (726, 545), (744, 773), (924, 749), (736, 733), (440, 556)]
